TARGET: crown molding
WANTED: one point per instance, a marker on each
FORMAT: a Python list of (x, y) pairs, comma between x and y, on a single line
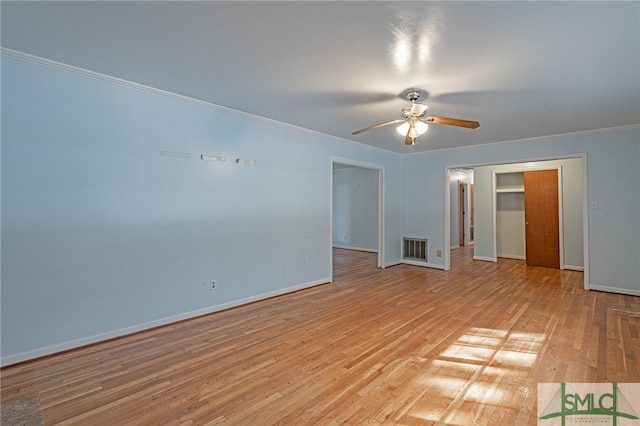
[(37, 60), (26, 57), (537, 138)]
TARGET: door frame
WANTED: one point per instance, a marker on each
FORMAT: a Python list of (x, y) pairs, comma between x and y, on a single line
[(465, 213), (495, 206), (515, 161), (380, 169)]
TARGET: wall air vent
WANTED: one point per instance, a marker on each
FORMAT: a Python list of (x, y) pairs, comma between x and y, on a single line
[(414, 249)]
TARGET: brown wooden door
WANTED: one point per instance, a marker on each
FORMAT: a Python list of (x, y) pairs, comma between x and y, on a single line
[(542, 220)]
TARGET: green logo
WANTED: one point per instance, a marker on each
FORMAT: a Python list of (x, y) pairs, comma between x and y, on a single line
[(613, 404)]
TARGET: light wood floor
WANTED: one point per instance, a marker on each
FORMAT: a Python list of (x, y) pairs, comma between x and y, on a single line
[(404, 345)]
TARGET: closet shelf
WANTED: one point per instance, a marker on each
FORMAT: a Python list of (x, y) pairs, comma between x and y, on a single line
[(511, 189)]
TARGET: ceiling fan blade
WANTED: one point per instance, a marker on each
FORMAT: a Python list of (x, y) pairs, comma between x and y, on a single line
[(453, 122), (375, 126), (418, 109)]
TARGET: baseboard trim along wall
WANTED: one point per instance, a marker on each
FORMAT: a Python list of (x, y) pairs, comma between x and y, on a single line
[(516, 257), (629, 291), (574, 268), (74, 344), (512, 256), (485, 259), (354, 248), (423, 264)]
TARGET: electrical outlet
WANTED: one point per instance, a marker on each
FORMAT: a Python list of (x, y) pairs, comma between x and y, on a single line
[(212, 284), (439, 253)]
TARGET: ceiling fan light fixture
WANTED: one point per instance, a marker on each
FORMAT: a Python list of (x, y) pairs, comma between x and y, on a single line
[(418, 129), (403, 128), (421, 127)]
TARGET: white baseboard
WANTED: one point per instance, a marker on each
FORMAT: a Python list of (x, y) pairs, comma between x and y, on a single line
[(354, 248), (423, 264), (394, 263), (73, 344), (574, 268), (484, 259), (629, 291), (512, 256)]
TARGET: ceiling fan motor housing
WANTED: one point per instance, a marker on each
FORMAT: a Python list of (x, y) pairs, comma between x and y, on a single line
[(413, 95)]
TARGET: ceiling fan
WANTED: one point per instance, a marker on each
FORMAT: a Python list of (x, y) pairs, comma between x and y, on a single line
[(415, 121)]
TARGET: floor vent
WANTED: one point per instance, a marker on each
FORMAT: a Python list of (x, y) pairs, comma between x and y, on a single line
[(415, 249)]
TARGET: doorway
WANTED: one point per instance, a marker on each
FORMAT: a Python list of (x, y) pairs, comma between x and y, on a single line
[(573, 212), (461, 207), (357, 214), (527, 209), (465, 214)]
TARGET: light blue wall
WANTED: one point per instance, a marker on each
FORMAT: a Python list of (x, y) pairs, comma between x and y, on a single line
[(613, 164), (102, 236), (355, 208)]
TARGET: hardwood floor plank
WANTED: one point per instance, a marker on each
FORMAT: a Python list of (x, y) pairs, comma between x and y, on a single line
[(403, 345)]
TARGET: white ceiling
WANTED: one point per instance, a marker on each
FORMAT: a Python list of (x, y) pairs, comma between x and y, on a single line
[(522, 69)]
